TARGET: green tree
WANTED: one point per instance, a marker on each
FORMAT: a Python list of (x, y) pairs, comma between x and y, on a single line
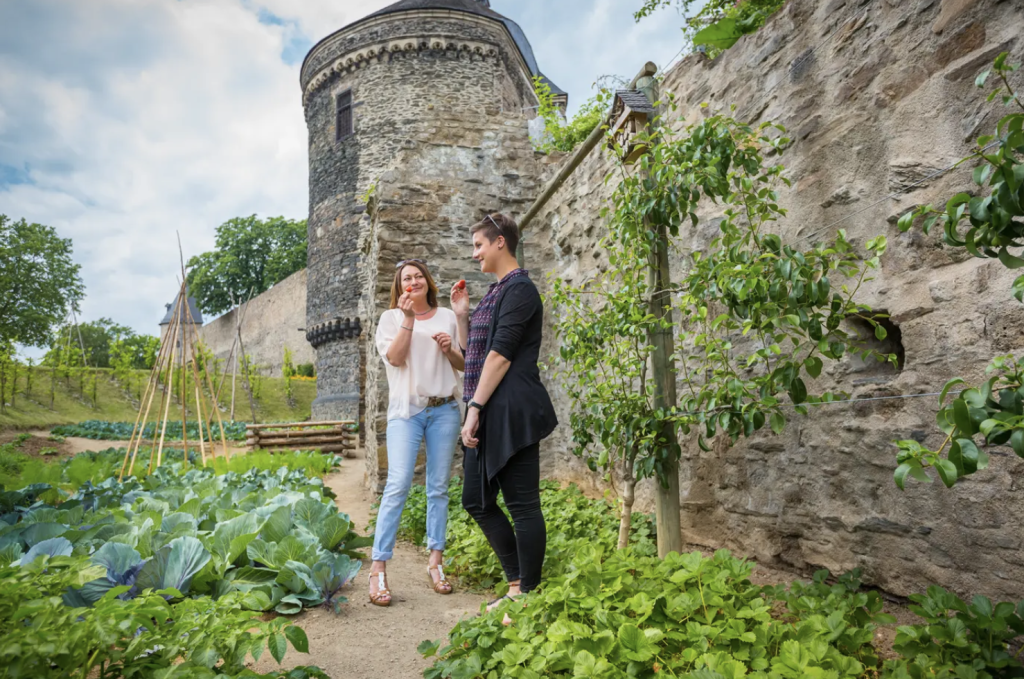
[(567, 136), (753, 314), (717, 24), (99, 336), (251, 254), (39, 281)]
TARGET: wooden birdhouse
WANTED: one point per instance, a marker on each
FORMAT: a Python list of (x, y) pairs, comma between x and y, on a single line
[(631, 112)]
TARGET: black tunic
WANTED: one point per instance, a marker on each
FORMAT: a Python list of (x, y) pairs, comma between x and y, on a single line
[(519, 413)]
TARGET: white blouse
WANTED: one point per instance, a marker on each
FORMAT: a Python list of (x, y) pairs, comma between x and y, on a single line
[(427, 372)]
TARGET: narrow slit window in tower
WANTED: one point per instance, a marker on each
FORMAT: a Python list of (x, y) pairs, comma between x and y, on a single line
[(345, 127)]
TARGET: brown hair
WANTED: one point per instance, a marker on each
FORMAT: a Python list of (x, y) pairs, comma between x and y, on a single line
[(497, 224), (396, 285)]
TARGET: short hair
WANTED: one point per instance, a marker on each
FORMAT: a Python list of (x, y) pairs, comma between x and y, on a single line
[(497, 224)]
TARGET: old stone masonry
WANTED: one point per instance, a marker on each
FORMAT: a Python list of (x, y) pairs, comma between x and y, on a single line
[(418, 121)]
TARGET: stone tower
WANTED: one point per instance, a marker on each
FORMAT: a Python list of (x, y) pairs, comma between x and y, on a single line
[(402, 79)]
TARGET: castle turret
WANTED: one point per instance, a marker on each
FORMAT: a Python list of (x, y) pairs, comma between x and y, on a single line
[(371, 90)]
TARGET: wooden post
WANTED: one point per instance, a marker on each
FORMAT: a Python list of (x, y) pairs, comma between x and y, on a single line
[(664, 374)]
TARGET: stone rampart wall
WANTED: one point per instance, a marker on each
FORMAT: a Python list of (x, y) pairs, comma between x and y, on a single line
[(272, 321), (877, 95)]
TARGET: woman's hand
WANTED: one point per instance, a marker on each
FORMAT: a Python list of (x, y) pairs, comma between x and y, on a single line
[(460, 300), (444, 341), (469, 438), (405, 303)]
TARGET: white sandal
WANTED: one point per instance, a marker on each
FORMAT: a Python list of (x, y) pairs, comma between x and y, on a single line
[(383, 595)]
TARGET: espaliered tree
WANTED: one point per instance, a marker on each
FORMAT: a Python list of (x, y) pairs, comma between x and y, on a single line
[(752, 314), (987, 225)]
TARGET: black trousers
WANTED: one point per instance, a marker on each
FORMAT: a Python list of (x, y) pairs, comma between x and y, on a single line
[(520, 551)]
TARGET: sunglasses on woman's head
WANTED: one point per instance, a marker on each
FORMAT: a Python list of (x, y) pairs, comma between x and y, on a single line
[(409, 261)]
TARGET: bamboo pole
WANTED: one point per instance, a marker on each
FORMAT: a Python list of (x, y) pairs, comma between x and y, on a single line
[(184, 380), (216, 410), (241, 311), (175, 327), (143, 411), (200, 413)]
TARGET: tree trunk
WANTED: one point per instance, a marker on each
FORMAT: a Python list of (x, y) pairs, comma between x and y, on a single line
[(626, 514)]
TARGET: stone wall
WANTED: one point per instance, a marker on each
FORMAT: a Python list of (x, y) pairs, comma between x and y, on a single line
[(877, 95), (272, 321), (410, 74)]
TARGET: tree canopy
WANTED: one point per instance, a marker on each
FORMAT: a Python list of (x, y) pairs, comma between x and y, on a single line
[(39, 282), (102, 338), (251, 254)]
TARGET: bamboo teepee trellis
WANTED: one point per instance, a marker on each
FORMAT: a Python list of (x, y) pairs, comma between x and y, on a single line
[(177, 352)]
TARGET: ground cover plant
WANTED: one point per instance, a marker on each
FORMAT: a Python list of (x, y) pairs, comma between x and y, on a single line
[(611, 613), (572, 519), (275, 535), (154, 634), (122, 431)]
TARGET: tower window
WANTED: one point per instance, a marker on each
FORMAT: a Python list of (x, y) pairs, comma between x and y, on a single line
[(344, 122)]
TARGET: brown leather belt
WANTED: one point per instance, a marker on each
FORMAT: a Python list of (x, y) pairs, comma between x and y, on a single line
[(435, 401)]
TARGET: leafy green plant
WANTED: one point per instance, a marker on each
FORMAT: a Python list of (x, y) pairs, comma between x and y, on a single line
[(717, 24), (122, 431), (305, 370), (116, 637), (995, 223), (620, 615), (959, 640), (572, 519), (567, 136), (273, 534)]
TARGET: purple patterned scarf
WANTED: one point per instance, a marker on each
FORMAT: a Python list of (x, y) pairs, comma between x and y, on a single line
[(479, 330)]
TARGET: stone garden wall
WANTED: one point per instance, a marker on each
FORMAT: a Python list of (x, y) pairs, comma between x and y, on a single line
[(272, 321), (877, 95)]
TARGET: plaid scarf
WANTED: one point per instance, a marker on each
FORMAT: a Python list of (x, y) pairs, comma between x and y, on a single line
[(479, 331)]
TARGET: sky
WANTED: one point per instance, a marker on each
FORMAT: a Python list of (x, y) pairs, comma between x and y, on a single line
[(126, 122)]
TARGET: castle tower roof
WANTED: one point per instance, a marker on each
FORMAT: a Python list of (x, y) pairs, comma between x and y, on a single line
[(478, 7)]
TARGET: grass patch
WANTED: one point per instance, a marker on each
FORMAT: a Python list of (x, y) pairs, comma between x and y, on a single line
[(73, 401)]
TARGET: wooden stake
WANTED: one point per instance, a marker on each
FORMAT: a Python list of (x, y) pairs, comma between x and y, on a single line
[(175, 327), (143, 411), (184, 375), (216, 409)]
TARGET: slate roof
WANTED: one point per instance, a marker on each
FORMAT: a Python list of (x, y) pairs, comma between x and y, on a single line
[(635, 100), (478, 7), (193, 311)]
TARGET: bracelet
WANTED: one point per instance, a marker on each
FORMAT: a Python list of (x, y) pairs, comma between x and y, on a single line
[(405, 328), (474, 404)]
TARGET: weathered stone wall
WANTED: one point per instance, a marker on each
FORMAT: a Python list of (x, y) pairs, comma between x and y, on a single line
[(410, 74), (444, 180), (272, 321), (877, 95)]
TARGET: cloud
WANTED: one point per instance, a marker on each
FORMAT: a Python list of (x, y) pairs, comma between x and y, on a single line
[(126, 122)]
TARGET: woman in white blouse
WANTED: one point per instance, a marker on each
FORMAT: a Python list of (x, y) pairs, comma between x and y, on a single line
[(414, 338)]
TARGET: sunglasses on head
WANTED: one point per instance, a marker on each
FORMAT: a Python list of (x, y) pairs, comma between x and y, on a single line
[(496, 225), (409, 261)]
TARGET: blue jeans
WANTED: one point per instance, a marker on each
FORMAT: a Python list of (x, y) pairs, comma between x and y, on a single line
[(440, 426)]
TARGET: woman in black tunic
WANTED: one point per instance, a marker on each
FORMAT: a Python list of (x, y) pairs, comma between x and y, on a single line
[(509, 410)]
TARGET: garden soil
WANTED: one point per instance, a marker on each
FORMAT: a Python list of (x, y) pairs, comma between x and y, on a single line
[(367, 641)]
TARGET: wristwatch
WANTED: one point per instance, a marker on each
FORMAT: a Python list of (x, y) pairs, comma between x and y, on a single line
[(474, 404)]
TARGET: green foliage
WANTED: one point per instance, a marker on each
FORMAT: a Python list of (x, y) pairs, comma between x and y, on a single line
[(566, 137), (122, 431), (717, 24), (145, 636), (756, 314), (274, 535), (572, 522), (100, 337), (305, 370), (287, 372), (251, 255), (39, 281), (686, 616), (995, 223), (616, 614), (959, 640)]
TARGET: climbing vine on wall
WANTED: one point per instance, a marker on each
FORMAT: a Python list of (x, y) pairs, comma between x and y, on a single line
[(986, 222), (718, 24), (562, 135)]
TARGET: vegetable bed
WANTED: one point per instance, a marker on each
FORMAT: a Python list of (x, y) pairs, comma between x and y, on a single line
[(122, 431)]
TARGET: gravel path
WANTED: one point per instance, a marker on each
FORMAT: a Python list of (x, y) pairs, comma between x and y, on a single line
[(370, 641)]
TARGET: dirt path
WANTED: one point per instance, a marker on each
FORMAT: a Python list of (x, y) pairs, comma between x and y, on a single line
[(367, 641)]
